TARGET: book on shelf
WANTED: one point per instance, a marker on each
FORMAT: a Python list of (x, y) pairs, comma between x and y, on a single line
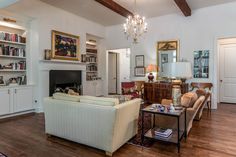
[(11, 51), (91, 50), (12, 37), (162, 132), (21, 65)]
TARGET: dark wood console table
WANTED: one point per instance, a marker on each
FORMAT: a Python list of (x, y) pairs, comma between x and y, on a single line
[(155, 92)]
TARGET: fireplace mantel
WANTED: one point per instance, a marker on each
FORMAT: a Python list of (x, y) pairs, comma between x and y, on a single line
[(46, 65), (62, 62)]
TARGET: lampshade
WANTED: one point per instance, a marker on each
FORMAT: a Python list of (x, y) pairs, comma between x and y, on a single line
[(151, 68), (177, 70)]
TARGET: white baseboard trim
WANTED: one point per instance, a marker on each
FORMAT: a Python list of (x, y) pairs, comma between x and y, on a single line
[(17, 114), (39, 110)]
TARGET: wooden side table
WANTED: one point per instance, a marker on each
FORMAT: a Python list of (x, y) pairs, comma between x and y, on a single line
[(177, 134)]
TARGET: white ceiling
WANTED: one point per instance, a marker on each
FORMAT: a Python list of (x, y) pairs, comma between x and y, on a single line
[(94, 11), (150, 8)]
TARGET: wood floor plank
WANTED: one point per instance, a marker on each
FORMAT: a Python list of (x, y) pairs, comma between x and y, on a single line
[(213, 136)]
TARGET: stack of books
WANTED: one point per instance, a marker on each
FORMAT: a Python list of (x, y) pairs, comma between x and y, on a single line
[(163, 133)]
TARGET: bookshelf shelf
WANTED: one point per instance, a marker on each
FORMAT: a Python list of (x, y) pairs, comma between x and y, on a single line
[(9, 70), (15, 57), (11, 42)]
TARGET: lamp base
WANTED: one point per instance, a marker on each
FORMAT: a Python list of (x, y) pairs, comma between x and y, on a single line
[(176, 95), (150, 77)]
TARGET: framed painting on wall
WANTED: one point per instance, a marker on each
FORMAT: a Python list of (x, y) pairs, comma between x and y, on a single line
[(139, 60), (139, 71), (65, 46), (201, 64)]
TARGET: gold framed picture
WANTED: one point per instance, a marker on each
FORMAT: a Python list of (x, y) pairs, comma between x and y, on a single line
[(65, 46)]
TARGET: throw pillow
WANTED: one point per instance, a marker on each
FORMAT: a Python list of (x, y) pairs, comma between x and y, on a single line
[(201, 92), (188, 99), (126, 90)]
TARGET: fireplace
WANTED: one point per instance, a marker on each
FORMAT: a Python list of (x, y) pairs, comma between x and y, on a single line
[(62, 79)]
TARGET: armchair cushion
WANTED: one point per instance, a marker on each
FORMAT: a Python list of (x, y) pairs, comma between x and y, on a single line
[(129, 90)]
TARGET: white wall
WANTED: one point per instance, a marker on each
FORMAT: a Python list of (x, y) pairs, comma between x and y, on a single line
[(198, 32), (44, 19), (60, 20)]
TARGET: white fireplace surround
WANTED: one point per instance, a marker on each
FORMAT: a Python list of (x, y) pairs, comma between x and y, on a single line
[(43, 82)]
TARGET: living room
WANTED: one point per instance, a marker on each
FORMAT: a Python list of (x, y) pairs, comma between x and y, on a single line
[(30, 113)]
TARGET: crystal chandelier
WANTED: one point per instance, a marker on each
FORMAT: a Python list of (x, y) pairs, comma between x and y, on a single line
[(135, 26)]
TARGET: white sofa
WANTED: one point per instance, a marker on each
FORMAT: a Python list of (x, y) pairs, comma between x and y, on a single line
[(106, 126)]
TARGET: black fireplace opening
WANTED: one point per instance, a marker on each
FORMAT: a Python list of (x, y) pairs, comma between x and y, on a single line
[(62, 80)]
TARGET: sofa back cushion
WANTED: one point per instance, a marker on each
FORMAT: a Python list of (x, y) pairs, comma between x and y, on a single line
[(199, 101), (99, 100), (66, 97), (188, 99)]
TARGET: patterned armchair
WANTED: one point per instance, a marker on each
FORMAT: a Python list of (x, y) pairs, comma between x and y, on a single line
[(129, 88)]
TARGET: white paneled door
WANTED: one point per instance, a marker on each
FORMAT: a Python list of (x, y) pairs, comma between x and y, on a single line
[(228, 72), (112, 73)]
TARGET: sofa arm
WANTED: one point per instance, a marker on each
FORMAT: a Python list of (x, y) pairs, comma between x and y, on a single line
[(126, 123)]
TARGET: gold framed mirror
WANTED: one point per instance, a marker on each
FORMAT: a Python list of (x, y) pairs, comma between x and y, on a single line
[(167, 51)]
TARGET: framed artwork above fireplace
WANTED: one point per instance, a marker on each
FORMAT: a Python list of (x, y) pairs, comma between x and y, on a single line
[(65, 46)]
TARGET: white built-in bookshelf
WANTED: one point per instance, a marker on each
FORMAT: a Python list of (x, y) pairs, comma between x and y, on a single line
[(91, 58), (12, 56), (15, 93)]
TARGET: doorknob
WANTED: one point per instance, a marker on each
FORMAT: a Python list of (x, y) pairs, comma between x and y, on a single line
[(221, 81)]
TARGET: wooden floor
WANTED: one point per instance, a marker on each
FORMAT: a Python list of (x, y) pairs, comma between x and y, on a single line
[(213, 136)]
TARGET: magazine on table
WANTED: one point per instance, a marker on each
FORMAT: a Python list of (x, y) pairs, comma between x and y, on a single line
[(162, 132)]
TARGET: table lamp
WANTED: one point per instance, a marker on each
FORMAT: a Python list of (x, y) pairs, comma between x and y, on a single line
[(150, 69), (179, 71)]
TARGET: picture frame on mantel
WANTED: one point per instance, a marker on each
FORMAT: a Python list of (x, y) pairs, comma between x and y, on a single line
[(65, 46), (139, 61)]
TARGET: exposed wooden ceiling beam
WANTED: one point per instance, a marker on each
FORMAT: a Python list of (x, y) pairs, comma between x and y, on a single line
[(184, 7), (115, 7)]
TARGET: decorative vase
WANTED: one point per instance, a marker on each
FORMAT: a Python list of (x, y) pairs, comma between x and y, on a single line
[(150, 77)]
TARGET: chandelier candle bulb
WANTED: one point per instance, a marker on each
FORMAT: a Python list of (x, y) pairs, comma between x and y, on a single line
[(135, 26)]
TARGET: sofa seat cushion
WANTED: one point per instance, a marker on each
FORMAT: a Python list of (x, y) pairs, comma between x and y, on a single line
[(66, 97), (99, 100), (188, 99)]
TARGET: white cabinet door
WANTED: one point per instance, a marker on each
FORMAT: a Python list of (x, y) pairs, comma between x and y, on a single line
[(23, 99), (5, 101)]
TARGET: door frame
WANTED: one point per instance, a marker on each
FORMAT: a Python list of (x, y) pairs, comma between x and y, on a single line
[(106, 70), (110, 52)]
